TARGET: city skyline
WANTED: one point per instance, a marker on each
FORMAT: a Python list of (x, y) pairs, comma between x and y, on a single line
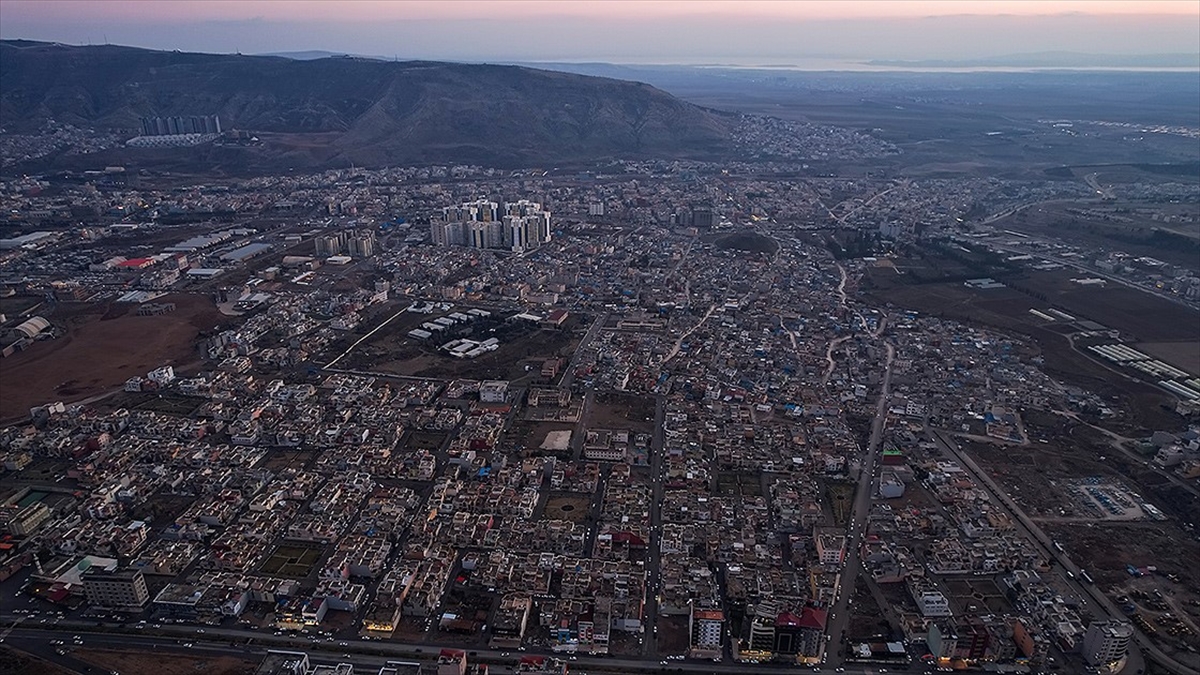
[(402, 338)]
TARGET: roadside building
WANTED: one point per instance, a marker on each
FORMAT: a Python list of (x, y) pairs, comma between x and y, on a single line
[(123, 589), (1107, 644)]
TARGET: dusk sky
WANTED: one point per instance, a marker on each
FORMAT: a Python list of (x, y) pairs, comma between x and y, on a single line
[(747, 32)]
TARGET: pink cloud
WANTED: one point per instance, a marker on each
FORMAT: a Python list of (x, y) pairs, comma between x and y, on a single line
[(183, 11)]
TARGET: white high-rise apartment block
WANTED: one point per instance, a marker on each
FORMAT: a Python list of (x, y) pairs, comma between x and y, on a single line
[(517, 226)]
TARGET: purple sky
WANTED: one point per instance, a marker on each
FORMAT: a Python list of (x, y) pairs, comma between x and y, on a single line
[(648, 31)]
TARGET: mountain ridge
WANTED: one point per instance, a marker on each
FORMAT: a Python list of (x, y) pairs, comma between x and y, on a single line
[(367, 112)]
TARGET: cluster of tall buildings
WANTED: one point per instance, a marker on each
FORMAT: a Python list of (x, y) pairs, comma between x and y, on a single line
[(358, 243), (517, 226), (177, 125)]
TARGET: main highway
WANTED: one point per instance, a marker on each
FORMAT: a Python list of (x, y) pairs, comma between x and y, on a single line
[(1094, 601), (181, 641), (839, 613)]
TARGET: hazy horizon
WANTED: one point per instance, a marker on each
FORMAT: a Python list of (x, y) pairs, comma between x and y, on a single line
[(729, 33)]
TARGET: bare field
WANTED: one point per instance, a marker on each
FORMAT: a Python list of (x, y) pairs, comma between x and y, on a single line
[(15, 661), (867, 620), (571, 508), (527, 437), (934, 286), (622, 411), (1123, 226), (1033, 475), (103, 346), (285, 459), (1133, 312), (292, 561), (13, 305), (1182, 355), (166, 664), (673, 635), (1130, 311), (522, 351)]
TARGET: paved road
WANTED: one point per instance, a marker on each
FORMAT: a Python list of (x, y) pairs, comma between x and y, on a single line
[(593, 330), (1105, 193), (654, 552), (839, 614), (1094, 601), (215, 642), (360, 340)]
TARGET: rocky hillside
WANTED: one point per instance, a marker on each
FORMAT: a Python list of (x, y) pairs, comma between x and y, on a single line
[(334, 111)]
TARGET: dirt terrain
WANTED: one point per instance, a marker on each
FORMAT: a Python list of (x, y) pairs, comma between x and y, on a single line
[(523, 347), (1183, 355), (103, 346), (13, 661), (1137, 315), (1049, 482), (1125, 226), (165, 664)]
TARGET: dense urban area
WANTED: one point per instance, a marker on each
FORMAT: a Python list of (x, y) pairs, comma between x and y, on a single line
[(655, 416)]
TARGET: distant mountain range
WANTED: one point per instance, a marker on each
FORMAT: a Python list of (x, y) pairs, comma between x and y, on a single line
[(1063, 60), (338, 110), (313, 54), (1066, 60)]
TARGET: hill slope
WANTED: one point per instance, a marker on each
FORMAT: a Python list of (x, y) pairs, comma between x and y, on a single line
[(358, 110)]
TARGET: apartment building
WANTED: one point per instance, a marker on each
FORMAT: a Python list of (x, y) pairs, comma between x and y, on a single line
[(125, 589)]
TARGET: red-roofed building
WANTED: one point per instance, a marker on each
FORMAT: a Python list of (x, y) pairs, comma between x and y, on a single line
[(58, 593), (136, 263), (812, 631), (787, 619), (452, 662), (705, 626), (813, 618), (556, 317), (788, 634), (628, 537)]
